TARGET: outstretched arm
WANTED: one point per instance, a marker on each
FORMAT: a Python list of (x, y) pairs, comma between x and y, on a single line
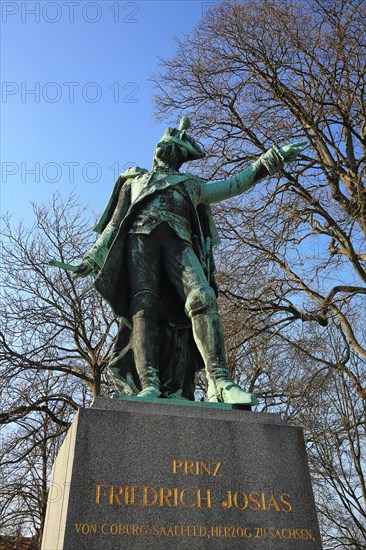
[(268, 164), (94, 259)]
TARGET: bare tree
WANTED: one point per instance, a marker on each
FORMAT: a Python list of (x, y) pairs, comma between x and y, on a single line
[(56, 339), (292, 266), (31, 437)]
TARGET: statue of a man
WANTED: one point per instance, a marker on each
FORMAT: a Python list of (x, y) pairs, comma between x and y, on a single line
[(155, 251)]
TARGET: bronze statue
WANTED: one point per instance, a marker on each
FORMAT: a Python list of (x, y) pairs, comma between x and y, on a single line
[(153, 263)]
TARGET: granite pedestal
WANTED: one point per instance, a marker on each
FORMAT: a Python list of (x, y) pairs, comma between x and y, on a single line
[(137, 475)]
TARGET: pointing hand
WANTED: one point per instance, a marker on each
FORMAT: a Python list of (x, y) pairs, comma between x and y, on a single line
[(290, 152)]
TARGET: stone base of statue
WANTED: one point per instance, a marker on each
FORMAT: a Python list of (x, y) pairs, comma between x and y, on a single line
[(176, 475)]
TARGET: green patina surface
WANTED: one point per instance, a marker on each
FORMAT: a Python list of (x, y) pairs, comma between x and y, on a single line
[(185, 402), (153, 263)]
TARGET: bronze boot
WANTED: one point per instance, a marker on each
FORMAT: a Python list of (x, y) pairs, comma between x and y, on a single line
[(145, 350), (208, 335)]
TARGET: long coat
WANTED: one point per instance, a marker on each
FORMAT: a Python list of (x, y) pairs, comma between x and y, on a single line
[(107, 256), (179, 357)]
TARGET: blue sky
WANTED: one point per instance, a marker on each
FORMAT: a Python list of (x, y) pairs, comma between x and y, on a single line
[(76, 100)]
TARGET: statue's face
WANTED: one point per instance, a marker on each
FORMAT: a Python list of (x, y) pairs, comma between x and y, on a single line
[(169, 153)]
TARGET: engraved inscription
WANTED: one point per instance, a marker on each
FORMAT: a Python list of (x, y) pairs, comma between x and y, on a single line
[(147, 496), (193, 531), (256, 501), (261, 502), (196, 468)]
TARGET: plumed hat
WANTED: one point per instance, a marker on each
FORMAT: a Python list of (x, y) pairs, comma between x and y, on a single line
[(194, 150)]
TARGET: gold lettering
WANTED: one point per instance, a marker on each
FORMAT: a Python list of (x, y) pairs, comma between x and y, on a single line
[(98, 493), (201, 498), (176, 465), (257, 501), (86, 528), (145, 499), (254, 502), (127, 529), (263, 499), (286, 505), (165, 498), (131, 501), (133, 495), (242, 533), (228, 502), (290, 534), (245, 500), (190, 531), (260, 533), (114, 494), (273, 503), (181, 498), (205, 468), (188, 467), (196, 467)]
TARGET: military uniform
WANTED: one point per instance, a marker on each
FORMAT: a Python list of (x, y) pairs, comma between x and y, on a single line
[(158, 227)]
